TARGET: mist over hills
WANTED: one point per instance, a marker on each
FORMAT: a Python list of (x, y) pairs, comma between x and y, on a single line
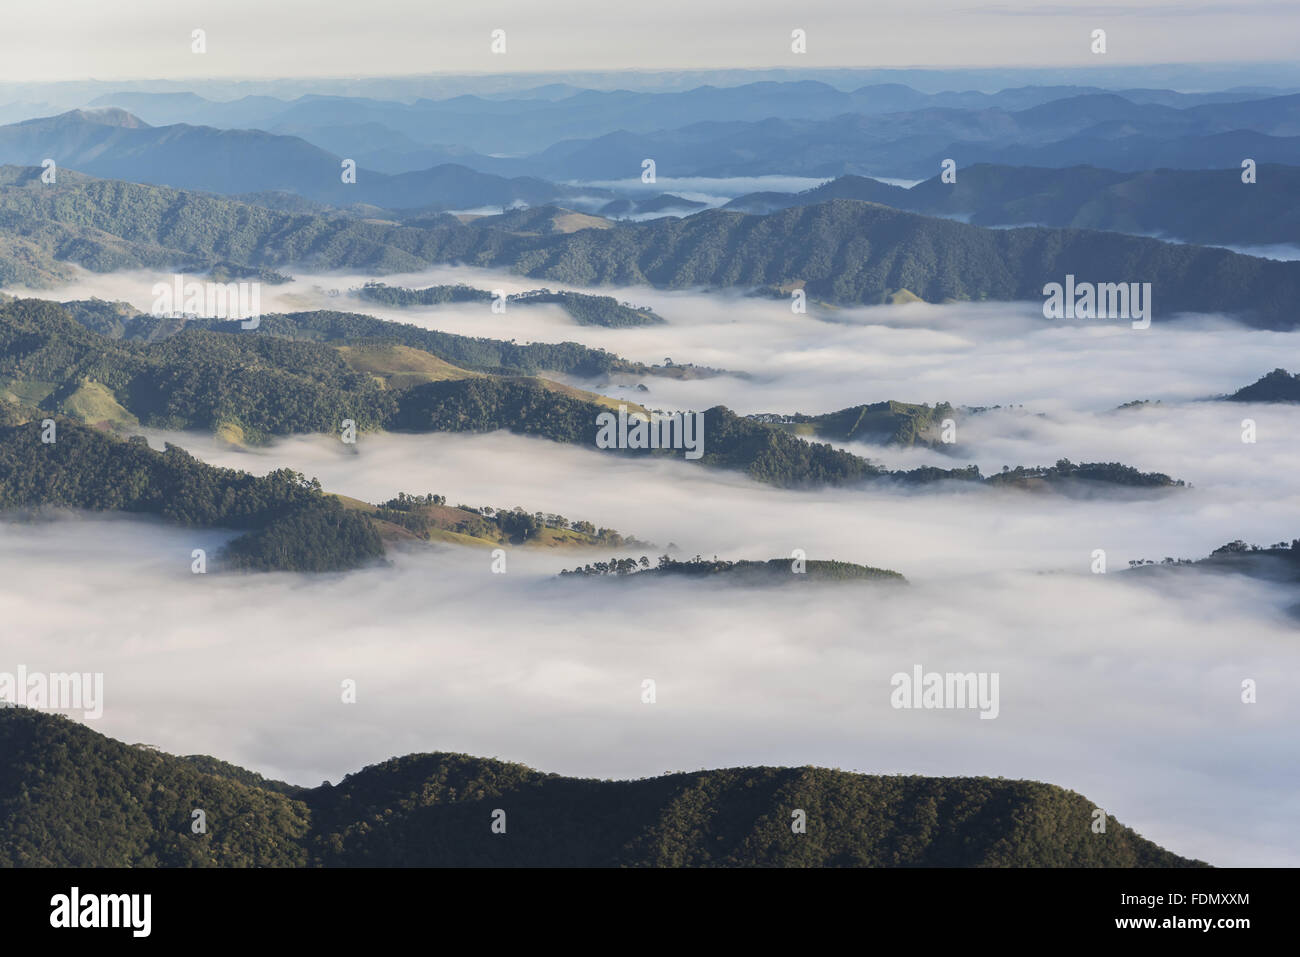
[(116, 145), (841, 251), (416, 132), (1098, 129), (72, 797), (528, 191), (787, 128), (1201, 206), (995, 187)]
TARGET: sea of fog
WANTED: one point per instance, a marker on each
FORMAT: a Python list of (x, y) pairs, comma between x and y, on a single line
[(1125, 689), (1125, 692), (974, 354)]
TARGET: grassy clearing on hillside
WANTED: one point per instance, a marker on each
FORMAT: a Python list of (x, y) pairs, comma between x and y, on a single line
[(400, 367)]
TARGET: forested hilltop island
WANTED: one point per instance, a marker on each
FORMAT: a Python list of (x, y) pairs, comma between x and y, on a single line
[(1278, 563), (1277, 386), (774, 571), (70, 797), (310, 372), (586, 310)]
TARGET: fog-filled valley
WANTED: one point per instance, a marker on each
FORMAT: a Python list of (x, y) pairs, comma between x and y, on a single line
[(741, 458), (1117, 685)]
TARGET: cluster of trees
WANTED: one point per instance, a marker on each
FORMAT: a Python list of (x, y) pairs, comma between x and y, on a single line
[(1230, 553), (290, 523), (1238, 546), (765, 571), (409, 503), (72, 797), (431, 296), (516, 525), (1112, 473), (615, 566), (585, 309)]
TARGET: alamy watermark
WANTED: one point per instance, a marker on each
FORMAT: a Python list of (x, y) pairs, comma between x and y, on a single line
[(1105, 300), (75, 909), (60, 691), (950, 690), (657, 430), (181, 299)]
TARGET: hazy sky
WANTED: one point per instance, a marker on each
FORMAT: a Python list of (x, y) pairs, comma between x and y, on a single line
[(151, 38)]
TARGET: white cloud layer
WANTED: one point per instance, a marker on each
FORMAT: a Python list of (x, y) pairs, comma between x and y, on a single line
[(1126, 690)]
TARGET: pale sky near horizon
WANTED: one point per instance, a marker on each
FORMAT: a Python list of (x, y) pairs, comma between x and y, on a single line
[(137, 39)]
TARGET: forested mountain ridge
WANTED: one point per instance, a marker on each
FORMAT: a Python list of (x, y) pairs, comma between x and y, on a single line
[(289, 523), (251, 385), (72, 797), (842, 251)]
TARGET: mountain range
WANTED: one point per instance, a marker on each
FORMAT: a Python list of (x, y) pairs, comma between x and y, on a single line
[(116, 145), (513, 134), (843, 251), (1212, 207)]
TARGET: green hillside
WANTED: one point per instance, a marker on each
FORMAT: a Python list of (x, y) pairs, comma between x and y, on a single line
[(251, 386), (72, 797), (289, 523)]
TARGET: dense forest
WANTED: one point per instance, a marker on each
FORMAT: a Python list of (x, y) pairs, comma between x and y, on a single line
[(289, 523), (72, 797), (841, 251), (1067, 472)]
